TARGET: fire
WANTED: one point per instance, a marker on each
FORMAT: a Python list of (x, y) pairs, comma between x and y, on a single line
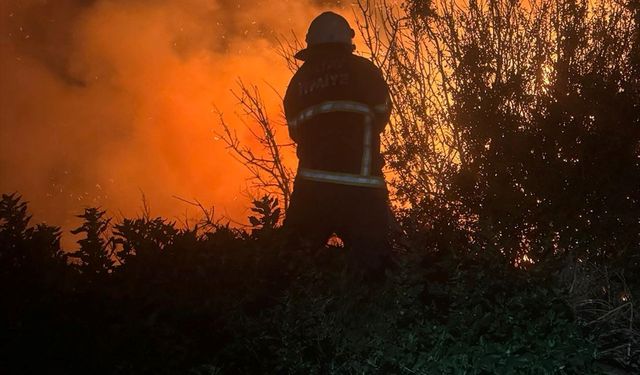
[(105, 100)]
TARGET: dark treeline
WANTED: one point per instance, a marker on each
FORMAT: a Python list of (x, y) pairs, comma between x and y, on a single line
[(516, 142), (145, 297)]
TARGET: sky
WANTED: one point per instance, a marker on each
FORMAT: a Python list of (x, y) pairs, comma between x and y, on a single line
[(102, 101)]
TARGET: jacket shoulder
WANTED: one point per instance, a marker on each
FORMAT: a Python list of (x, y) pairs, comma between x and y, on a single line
[(369, 73), (364, 64)]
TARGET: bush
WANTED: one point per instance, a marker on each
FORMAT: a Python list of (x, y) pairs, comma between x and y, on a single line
[(226, 301)]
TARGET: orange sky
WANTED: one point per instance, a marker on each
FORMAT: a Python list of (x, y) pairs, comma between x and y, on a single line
[(103, 99)]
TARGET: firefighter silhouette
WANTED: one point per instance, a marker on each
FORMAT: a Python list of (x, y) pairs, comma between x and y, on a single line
[(336, 106)]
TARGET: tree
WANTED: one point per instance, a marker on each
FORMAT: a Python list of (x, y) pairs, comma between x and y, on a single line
[(519, 121), (31, 253), (143, 238), (96, 250)]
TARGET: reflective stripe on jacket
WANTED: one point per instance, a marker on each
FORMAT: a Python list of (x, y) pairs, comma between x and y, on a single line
[(336, 107)]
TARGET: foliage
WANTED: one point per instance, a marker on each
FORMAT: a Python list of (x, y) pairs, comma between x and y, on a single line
[(517, 120), (143, 238), (33, 253), (94, 256), (602, 304), (468, 322), (224, 301), (268, 215)]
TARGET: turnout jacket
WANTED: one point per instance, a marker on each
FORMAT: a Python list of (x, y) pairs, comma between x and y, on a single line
[(336, 106)]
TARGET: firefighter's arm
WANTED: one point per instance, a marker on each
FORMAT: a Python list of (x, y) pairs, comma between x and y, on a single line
[(383, 106), (382, 113), (290, 115)]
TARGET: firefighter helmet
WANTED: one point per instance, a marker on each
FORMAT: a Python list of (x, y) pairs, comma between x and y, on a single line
[(328, 29)]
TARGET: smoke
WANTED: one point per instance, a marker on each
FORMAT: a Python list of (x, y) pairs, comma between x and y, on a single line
[(101, 100)]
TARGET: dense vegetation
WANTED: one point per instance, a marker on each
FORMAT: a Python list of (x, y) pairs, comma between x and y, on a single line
[(516, 144), (147, 297), (518, 120)]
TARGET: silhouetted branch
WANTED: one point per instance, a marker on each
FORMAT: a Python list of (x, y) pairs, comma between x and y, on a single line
[(266, 165)]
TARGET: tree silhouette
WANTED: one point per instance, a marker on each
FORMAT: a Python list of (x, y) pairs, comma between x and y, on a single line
[(96, 249), (517, 121), (268, 215), (27, 251), (143, 239)]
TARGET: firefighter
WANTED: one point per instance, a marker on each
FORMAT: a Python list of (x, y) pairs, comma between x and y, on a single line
[(336, 106)]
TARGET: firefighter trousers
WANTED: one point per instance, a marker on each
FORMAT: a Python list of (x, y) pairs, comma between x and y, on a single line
[(358, 215)]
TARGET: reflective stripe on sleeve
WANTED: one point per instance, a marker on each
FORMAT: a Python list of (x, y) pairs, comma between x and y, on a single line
[(341, 178), (366, 146), (384, 107)]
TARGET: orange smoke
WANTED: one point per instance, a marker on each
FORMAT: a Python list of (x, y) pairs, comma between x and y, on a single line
[(101, 100)]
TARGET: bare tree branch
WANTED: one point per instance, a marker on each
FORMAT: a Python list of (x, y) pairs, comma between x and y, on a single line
[(269, 174)]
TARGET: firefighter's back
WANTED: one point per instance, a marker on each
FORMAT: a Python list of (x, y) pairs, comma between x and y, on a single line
[(333, 141)]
